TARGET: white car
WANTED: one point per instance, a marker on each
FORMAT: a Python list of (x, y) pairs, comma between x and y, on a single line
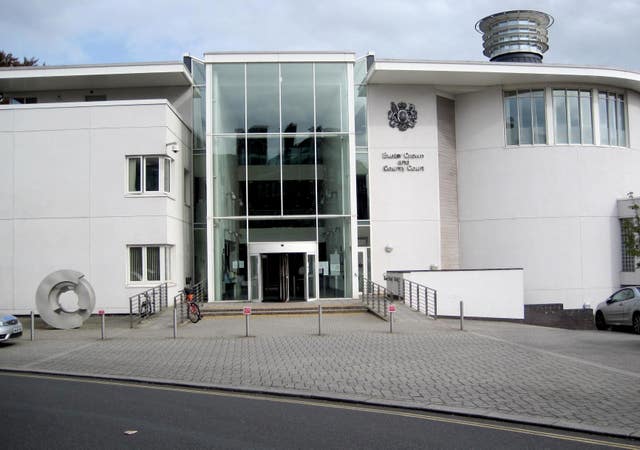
[(10, 327), (622, 308)]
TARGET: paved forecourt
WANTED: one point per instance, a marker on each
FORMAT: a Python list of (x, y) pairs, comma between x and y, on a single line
[(492, 369)]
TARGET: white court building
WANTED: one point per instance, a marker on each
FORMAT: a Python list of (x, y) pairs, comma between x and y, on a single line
[(286, 175)]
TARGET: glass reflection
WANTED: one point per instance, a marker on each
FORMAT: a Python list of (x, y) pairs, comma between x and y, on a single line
[(334, 257), (332, 114), (228, 98), (229, 173), (199, 189), (297, 98), (298, 175), (333, 174), (230, 259), (263, 112), (362, 185), (264, 175)]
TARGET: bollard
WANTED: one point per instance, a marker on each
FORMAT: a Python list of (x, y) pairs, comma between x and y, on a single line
[(175, 322), (101, 312), (319, 320), (390, 321), (246, 325), (461, 315), (32, 326)]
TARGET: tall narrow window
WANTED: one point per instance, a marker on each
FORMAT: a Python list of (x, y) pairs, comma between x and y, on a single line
[(135, 175), (152, 174), (525, 122), (612, 119), (572, 116)]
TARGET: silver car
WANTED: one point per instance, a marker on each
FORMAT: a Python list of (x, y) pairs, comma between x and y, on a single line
[(10, 327), (622, 308)]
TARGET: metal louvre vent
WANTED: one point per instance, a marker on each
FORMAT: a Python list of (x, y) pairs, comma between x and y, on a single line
[(515, 36)]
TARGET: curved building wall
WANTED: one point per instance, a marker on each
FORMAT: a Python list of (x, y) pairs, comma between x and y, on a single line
[(550, 209)]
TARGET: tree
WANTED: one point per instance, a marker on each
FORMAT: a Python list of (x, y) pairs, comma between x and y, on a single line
[(8, 60), (631, 230)]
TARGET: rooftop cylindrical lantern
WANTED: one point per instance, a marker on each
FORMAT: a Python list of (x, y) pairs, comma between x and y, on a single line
[(515, 36)]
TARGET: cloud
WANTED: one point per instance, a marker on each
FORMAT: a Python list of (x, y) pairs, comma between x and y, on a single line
[(75, 32)]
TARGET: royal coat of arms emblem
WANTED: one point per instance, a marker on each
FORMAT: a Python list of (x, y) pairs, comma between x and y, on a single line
[(402, 116)]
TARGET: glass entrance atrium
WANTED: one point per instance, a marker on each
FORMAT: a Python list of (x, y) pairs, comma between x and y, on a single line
[(280, 156)]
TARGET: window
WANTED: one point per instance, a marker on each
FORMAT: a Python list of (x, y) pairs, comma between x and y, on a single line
[(612, 119), (572, 116), (17, 100), (524, 112), (149, 174), (149, 264), (95, 98)]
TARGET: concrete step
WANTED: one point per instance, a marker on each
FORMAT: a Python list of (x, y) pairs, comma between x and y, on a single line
[(297, 308)]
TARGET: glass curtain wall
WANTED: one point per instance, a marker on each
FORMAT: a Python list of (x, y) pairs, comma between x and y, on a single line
[(199, 172), (280, 155)]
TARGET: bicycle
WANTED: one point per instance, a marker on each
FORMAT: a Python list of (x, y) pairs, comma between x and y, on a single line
[(193, 310)]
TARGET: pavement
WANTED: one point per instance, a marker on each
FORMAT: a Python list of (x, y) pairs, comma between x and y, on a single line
[(580, 380)]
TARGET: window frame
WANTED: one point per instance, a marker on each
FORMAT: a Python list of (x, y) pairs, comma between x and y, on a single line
[(165, 252), (618, 98), (530, 92), (164, 162), (567, 116)]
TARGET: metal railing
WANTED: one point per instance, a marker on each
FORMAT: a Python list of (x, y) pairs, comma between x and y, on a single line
[(147, 303), (375, 297), (199, 296), (416, 296)]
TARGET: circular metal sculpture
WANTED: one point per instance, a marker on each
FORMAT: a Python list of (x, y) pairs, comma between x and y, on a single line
[(402, 116), (59, 314)]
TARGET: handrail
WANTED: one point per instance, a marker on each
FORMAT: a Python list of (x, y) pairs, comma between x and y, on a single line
[(147, 303), (375, 297), (199, 296), (416, 296)]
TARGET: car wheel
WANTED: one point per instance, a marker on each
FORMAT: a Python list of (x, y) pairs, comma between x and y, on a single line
[(601, 324), (636, 323)]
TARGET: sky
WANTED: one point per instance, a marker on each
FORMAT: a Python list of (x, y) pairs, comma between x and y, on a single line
[(57, 32)]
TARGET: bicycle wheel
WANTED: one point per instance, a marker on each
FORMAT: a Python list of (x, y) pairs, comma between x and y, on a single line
[(193, 312)]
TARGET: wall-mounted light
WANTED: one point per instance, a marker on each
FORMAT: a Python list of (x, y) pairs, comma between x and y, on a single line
[(388, 248), (173, 146)]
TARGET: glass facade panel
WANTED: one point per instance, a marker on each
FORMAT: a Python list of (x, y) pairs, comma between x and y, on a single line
[(333, 174), (332, 114), (200, 254), (361, 116), (230, 175), (621, 122), (167, 175), (263, 154), (611, 113), (263, 110), (199, 189), (228, 98), (297, 98), (298, 175), (230, 259), (289, 160), (362, 185), (199, 118), (334, 242)]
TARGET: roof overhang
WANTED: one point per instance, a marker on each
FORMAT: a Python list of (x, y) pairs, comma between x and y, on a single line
[(45, 78), (275, 57), (467, 76)]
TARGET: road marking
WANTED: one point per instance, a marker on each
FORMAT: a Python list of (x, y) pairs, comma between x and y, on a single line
[(326, 404)]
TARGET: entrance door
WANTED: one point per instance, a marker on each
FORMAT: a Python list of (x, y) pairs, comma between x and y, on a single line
[(282, 272)]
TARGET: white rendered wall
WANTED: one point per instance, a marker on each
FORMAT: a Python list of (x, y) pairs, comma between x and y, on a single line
[(495, 294), (404, 207), (548, 209), (63, 201)]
